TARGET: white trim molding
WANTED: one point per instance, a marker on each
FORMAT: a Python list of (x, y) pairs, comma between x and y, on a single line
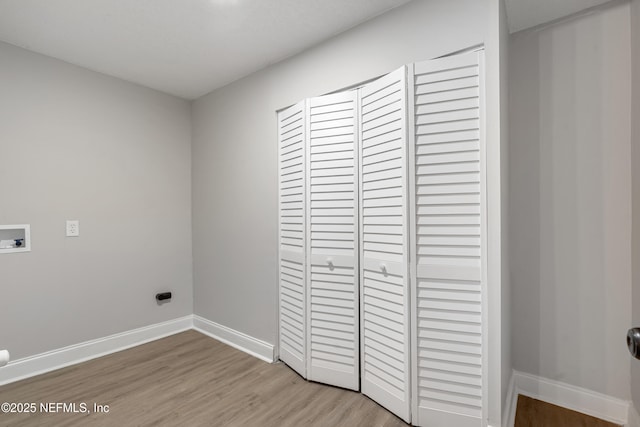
[(253, 346), (509, 411), (60, 358), (55, 359), (633, 418), (578, 399)]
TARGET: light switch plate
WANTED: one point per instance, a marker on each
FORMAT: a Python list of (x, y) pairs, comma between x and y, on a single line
[(73, 228)]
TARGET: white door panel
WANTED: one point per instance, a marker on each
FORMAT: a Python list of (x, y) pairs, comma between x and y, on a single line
[(292, 245), (449, 250), (385, 346), (332, 241)]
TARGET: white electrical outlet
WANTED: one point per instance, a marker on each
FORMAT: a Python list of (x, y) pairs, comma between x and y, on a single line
[(73, 228)]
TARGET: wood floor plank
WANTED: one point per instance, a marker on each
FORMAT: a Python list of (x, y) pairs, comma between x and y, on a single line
[(189, 379), (536, 413)]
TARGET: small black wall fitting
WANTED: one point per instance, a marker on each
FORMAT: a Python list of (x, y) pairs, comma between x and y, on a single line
[(163, 296)]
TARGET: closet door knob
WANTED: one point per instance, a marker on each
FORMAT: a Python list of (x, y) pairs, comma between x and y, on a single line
[(383, 268), (330, 263)]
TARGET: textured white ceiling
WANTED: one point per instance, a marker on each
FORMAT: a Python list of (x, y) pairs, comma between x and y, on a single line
[(191, 47), (525, 14), (183, 47)]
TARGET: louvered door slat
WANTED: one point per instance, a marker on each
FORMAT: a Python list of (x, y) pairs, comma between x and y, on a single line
[(448, 210), (292, 260), (332, 241), (385, 298)]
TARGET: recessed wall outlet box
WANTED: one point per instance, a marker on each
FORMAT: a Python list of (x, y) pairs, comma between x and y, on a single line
[(73, 228), (15, 238)]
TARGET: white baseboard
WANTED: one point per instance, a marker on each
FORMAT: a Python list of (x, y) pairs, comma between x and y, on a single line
[(45, 362), (633, 419), (50, 361), (248, 344), (509, 414), (568, 396)]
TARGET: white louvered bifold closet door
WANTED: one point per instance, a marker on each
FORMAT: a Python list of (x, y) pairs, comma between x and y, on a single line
[(333, 301), (449, 216), (384, 285), (292, 245)]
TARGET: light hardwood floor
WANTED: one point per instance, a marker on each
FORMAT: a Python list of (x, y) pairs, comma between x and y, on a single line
[(188, 380)]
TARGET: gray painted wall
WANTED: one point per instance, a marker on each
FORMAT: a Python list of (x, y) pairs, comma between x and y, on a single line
[(635, 168), (570, 211), (235, 150), (80, 145)]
